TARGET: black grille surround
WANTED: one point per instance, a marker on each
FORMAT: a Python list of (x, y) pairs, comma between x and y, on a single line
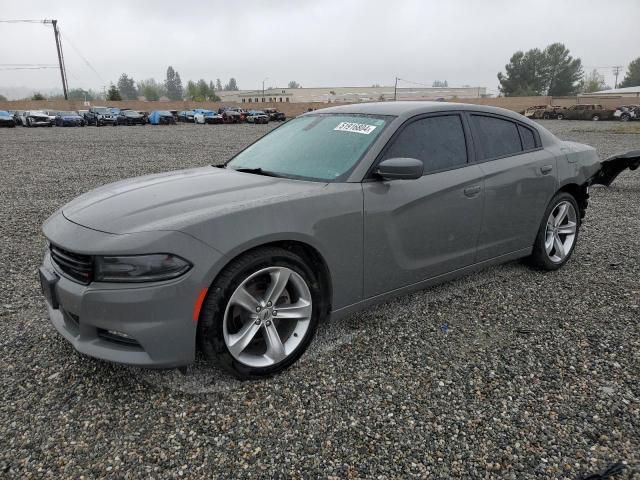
[(74, 265)]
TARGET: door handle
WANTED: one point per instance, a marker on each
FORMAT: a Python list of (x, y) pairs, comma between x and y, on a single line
[(472, 191), (545, 169)]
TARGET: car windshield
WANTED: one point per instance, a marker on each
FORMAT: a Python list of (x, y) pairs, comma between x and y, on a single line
[(4, 114), (66, 114), (323, 147), (102, 110)]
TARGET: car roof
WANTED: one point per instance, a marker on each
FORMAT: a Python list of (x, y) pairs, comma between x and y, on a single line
[(411, 108)]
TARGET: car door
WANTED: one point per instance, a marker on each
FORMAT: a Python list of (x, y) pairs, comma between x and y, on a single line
[(519, 181), (419, 229)]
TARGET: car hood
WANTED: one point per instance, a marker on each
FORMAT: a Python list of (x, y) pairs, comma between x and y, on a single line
[(176, 200)]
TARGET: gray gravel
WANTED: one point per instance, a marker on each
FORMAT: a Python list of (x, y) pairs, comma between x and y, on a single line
[(535, 375)]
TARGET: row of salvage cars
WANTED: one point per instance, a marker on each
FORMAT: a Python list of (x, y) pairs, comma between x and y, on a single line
[(588, 111), (230, 115), (103, 116)]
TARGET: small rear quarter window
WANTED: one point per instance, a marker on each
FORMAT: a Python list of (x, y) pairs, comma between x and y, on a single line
[(528, 138)]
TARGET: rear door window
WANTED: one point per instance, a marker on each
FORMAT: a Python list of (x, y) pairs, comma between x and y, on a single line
[(438, 141), (495, 137)]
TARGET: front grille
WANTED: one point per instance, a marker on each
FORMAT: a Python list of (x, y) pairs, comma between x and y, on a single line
[(76, 266)]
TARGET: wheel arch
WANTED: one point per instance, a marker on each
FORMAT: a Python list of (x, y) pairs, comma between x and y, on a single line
[(580, 193), (309, 253)]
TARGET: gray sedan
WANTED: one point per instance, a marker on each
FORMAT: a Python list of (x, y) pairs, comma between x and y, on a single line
[(331, 212)]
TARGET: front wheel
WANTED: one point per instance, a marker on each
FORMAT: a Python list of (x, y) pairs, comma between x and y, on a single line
[(558, 233), (595, 118), (261, 313), (560, 116)]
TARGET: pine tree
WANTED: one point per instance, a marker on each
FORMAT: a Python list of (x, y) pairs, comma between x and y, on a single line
[(113, 94)]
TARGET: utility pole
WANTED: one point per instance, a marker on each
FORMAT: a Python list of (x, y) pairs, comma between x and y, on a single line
[(616, 71), (63, 71), (267, 78), (395, 90)]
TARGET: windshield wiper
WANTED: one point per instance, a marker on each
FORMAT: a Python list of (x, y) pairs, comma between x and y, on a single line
[(258, 171)]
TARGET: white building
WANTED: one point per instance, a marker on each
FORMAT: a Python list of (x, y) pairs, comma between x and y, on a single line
[(627, 92), (351, 94)]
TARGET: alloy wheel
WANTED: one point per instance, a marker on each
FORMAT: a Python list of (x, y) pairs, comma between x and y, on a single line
[(267, 316), (560, 233)]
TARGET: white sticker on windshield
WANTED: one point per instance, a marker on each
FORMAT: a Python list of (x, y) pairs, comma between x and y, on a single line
[(355, 127)]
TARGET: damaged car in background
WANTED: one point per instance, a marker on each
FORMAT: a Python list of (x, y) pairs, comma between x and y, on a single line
[(544, 112), (36, 118), (625, 113), (334, 211), (6, 119), (592, 112)]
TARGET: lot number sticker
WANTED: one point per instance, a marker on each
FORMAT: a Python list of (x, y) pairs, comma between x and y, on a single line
[(355, 127)]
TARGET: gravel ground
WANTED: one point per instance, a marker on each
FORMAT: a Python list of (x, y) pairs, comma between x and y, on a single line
[(536, 375)]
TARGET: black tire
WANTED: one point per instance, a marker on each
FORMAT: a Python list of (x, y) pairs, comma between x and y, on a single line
[(539, 258), (595, 118), (625, 117), (560, 116), (210, 325)]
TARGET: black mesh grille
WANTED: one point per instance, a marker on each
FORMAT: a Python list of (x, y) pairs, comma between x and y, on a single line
[(76, 266)]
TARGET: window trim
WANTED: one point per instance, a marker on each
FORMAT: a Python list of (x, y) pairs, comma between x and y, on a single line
[(475, 136), (370, 176)]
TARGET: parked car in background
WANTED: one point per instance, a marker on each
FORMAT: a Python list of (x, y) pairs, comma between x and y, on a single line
[(17, 116), (36, 118), (545, 112), (100, 116), (6, 119), (202, 116), (593, 112), (231, 115), (627, 112), (331, 213), (186, 116), (275, 115), (131, 117), (162, 117), (257, 116), (69, 119)]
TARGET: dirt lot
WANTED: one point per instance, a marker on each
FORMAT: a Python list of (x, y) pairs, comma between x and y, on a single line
[(535, 375)]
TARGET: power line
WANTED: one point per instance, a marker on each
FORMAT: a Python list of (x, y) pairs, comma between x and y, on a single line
[(22, 21), (67, 39), (28, 68)]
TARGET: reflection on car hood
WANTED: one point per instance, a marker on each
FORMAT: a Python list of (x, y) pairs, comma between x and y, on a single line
[(174, 200)]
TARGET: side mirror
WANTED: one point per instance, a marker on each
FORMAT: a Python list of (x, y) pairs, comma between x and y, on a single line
[(400, 169)]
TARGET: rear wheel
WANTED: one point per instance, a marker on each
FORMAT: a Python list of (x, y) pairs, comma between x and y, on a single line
[(261, 313), (595, 117), (560, 116), (558, 233)]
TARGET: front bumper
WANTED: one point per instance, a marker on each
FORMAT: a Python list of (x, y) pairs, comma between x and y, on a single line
[(156, 317)]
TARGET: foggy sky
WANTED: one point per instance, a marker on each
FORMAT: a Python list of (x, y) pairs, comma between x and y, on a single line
[(317, 43)]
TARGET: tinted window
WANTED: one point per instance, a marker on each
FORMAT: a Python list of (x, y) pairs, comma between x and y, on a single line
[(438, 141), (496, 137), (528, 138)]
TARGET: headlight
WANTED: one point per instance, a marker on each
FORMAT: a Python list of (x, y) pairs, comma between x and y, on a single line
[(140, 268)]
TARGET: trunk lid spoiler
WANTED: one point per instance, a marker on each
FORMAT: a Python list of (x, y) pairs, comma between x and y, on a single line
[(614, 166)]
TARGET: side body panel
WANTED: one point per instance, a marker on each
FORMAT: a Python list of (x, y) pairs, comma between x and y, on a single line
[(418, 229), (517, 191)]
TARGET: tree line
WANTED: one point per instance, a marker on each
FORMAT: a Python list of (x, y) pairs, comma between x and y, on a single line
[(553, 71), (127, 88)]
